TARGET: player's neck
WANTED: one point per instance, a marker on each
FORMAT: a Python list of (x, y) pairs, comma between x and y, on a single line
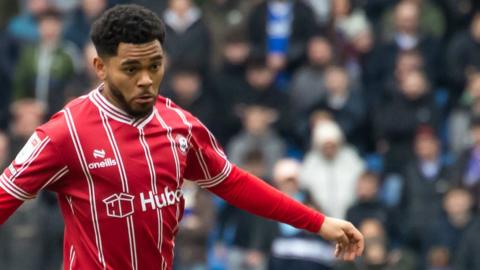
[(108, 94)]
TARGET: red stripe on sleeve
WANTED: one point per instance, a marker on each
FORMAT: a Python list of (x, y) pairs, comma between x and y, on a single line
[(252, 194)]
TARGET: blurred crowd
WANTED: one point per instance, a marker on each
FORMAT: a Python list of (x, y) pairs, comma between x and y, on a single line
[(367, 110)]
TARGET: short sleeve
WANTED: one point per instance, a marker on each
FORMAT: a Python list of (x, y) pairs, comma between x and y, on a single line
[(35, 167), (207, 164)]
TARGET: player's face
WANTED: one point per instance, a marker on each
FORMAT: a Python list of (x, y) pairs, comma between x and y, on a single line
[(132, 77)]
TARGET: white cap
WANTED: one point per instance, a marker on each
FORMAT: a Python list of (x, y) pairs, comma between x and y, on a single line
[(286, 168), (326, 131)]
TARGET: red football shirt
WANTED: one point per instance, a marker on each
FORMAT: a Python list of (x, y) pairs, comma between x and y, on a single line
[(119, 180)]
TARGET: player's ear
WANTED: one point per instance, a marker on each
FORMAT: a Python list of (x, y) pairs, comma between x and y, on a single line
[(99, 66)]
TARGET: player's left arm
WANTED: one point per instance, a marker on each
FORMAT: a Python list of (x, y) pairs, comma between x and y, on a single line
[(252, 194)]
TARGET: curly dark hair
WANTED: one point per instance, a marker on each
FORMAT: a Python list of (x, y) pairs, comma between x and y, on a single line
[(128, 24)]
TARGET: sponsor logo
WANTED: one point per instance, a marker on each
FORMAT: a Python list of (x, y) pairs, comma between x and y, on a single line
[(106, 162), (119, 205), (182, 143), (158, 201), (99, 153)]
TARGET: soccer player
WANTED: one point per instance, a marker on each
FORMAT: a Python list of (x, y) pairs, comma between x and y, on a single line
[(118, 156)]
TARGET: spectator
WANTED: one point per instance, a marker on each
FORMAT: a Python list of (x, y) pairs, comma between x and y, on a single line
[(24, 26), (345, 104), (229, 82), (188, 90), (397, 120), (330, 169), (321, 10), (223, 17), (279, 30), (427, 180), (467, 109), (368, 204), (347, 23), (458, 217), (27, 114), (438, 258), (308, 83), (292, 248), (467, 170), (407, 35), (77, 28), (467, 258), (184, 27), (462, 57), (260, 89), (192, 239), (43, 71), (257, 134), (431, 19)]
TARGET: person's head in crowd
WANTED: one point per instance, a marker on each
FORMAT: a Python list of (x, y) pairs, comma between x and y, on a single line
[(414, 85), (473, 86), (364, 41), (327, 138), (186, 83), (257, 119), (367, 187), (475, 27), (36, 7), (406, 18), (259, 75), (438, 258), (337, 81), (475, 131), (319, 116), (93, 8), (320, 52), (427, 145), (458, 205), (180, 7), (27, 115), (376, 252), (406, 62), (285, 175), (50, 26), (340, 8), (4, 149), (236, 49), (254, 163)]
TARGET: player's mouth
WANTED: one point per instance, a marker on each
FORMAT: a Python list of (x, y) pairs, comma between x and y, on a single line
[(144, 99)]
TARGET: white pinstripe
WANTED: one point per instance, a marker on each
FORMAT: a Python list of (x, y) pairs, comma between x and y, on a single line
[(153, 177), (30, 159), (124, 180), (56, 177), (91, 187)]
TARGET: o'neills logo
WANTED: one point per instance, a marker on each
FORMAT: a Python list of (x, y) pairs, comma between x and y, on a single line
[(108, 162), (157, 201)]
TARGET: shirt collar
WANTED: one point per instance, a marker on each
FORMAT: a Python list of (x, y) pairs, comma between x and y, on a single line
[(116, 113)]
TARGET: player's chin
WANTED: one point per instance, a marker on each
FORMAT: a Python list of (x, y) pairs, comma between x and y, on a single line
[(140, 110)]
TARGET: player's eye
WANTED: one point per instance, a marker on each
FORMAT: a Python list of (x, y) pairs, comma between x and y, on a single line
[(155, 66), (130, 70)]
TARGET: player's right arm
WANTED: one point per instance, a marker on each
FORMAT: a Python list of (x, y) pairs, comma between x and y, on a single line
[(35, 167)]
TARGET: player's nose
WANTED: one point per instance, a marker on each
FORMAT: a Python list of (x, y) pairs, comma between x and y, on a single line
[(144, 80)]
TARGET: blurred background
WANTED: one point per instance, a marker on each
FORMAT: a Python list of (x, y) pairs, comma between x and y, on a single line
[(367, 110)]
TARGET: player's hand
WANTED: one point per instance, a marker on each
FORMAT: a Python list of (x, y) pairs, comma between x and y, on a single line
[(349, 241)]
